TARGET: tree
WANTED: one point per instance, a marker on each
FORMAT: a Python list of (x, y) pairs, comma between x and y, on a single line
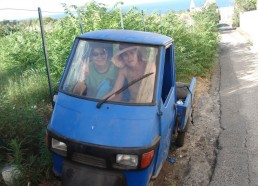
[(242, 6), (245, 5)]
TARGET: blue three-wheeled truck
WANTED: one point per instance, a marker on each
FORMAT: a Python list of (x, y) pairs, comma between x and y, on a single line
[(117, 108)]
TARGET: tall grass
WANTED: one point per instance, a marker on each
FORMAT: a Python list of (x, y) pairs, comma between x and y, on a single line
[(24, 113), (29, 89)]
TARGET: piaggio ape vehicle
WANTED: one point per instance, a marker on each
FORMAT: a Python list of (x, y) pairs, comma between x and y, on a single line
[(101, 136)]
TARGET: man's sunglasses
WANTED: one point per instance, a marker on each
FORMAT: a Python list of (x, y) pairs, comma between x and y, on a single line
[(95, 54)]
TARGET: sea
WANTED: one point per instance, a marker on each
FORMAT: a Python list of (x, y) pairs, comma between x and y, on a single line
[(163, 6)]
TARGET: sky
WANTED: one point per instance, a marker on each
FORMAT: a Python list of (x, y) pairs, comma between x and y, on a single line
[(48, 7)]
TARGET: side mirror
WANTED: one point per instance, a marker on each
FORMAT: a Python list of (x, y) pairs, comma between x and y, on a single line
[(55, 97)]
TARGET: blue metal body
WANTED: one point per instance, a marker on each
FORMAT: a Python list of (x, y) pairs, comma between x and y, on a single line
[(103, 126), (129, 36), (119, 126), (185, 109)]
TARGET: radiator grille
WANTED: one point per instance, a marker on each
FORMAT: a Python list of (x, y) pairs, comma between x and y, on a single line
[(89, 160)]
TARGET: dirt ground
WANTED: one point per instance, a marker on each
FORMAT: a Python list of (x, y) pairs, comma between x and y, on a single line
[(196, 159)]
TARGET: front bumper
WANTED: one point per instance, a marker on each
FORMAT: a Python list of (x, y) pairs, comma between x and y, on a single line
[(97, 155), (96, 165)]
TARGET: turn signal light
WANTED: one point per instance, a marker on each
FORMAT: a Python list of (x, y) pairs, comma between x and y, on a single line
[(147, 158)]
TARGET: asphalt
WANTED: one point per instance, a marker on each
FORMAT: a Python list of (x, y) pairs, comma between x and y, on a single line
[(237, 158)]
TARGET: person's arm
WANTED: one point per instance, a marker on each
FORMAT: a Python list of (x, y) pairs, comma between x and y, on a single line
[(118, 84), (79, 88), (81, 84), (84, 70), (146, 89)]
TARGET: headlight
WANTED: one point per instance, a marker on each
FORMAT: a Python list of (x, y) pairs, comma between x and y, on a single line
[(127, 160), (59, 147)]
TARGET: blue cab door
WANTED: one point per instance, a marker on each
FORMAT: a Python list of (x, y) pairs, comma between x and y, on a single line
[(167, 99)]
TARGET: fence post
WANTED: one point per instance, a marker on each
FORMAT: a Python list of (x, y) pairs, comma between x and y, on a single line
[(160, 27), (46, 57), (143, 21), (171, 25), (121, 19), (80, 21)]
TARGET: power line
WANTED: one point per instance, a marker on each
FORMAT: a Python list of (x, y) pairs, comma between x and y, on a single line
[(28, 10)]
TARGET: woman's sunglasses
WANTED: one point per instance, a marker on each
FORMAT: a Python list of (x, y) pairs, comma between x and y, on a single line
[(95, 54)]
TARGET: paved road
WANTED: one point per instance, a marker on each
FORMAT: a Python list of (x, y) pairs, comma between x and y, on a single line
[(237, 160)]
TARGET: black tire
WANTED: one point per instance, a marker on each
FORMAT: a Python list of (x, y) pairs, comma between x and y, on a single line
[(180, 139)]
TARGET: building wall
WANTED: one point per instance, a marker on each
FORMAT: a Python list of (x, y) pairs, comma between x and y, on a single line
[(226, 14), (249, 24)]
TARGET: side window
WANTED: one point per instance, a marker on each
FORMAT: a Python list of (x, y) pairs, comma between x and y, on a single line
[(167, 75), (74, 74)]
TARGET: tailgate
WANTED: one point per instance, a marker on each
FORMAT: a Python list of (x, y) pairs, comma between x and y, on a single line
[(185, 95)]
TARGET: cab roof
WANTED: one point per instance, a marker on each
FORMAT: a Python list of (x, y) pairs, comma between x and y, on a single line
[(129, 36)]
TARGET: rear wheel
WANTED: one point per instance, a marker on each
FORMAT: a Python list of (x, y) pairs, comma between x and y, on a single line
[(180, 138)]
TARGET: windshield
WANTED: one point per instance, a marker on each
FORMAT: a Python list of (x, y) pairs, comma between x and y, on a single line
[(101, 69)]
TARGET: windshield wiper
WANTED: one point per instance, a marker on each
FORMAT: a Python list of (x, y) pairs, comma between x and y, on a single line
[(123, 88)]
